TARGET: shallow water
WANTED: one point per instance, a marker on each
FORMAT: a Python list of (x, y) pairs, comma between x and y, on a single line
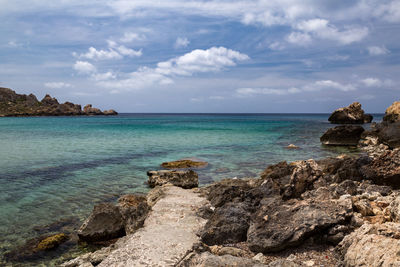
[(52, 168)]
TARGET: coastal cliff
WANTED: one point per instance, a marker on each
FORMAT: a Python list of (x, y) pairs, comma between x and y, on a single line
[(21, 105)]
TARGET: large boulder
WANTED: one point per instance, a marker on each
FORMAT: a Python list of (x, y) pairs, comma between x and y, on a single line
[(104, 223), (389, 133), (392, 113), (134, 210), (185, 179), (344, 135), (228, 224), (353, 114), (278, 225), (384, 170), (372, 245)]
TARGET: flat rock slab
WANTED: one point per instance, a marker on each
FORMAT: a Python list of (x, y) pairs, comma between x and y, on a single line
[(169, 232)]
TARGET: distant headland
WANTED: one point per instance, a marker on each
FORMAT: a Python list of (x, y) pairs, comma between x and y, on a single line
[(21, 105)]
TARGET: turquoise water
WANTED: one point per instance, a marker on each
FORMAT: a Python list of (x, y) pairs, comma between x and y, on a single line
[(52, 168)]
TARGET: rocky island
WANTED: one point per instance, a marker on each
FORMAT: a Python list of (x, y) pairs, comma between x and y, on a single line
[(20, 105)]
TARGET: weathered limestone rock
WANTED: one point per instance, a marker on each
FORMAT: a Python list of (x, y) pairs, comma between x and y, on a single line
[(168, 232), (49, 101), (206, 259), (110, 112), (134, 210), (353, 114), (184, 164), (184, 179), (89, 110), (372, 245), (392, 113), (344, 135), (278, 225), (385, 169), (389, 134), (104, 223)]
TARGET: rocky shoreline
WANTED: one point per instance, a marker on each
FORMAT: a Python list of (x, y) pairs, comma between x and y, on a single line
[(20, 105), (337, 211)]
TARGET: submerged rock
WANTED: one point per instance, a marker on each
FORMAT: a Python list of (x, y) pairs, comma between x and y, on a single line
[(52, 242), (372, 245), (353, 114), (344, 135), (184, 164), (184, 179), (104, 223)]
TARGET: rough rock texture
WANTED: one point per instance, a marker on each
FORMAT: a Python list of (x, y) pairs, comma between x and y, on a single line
[(385, 169), (110, 112), (134, 210), (392, 113), (372, 245), (353, 114), (228, 224), (389, 134), (278, 225), (52, 242), (13, 104), (168, 233), (206, 259), (89, 110), (184, 179), (344, 135), (104, 223), (184, 164)]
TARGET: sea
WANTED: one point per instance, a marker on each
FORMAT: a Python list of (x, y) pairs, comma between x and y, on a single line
[(53, 170)]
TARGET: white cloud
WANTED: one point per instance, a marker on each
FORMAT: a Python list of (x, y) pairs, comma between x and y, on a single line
[(57, 85), (197, 61), (103, 76), (181, 42), (93, 53), (322, 29), (377, 50), (276, 46), (244, 92), (129, 52), (372, 82), (299, 38), (114, 51), (132, 36), (329, 84), (84, 67)]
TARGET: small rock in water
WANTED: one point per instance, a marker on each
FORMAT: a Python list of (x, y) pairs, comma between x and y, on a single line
[(292, 146), (52, 242), (184, 164)]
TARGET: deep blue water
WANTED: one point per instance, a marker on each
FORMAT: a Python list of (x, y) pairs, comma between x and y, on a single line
[(57, 167)]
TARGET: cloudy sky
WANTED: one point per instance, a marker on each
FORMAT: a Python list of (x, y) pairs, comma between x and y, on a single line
[(204, 56)]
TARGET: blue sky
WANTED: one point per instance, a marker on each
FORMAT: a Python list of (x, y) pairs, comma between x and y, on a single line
[(204, 56)]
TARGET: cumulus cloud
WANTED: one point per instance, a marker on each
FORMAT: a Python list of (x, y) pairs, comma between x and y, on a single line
[(372, 82), (197, 61), (299, 38), (114, 51), (377, 50), (132, 36), (57, 85), (84, 67), (181, 42), (329, 84), (322, 29)]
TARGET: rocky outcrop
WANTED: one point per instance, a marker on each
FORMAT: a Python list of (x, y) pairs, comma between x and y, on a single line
[(184, 179), (134, 210), (344, 135), (184, 164), (13, 104), (353, 114), (104, 223), (372, 245), (392, 113)]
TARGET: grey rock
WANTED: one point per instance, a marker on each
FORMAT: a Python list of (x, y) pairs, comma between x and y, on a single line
[(134, 210), (207, 259), (353, 114), (344, 135)]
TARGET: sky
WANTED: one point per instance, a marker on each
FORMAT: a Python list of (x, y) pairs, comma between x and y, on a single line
[(257, 56)]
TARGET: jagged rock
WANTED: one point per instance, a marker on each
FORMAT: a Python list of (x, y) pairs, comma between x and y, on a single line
[(228, 224), (227, 190), (184, 164), (110, 112), (104, 223), (372, 245), (220, 251), (280, 170), (389, 134), (89, 110), (278, 225), (385, 169), (49, 101), (353, 114), (344, 135), (302, 179), (206, 259), (184, 179), (392, 113), (134, 210)]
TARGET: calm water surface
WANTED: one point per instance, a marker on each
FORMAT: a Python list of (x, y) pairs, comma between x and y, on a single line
[(53, 168)]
